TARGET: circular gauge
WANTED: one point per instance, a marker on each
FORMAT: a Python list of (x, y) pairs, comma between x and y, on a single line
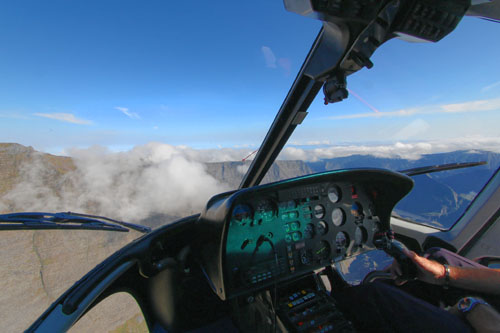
[(309, 231), (341, 240), (334, 194), (357, 210), (360, 236), (242, 214), (322, 250), (338, 217), (322, 227), (265, 211), (296, 236), (319, 211)]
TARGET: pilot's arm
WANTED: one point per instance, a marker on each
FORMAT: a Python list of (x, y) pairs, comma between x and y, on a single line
[(484, 280)]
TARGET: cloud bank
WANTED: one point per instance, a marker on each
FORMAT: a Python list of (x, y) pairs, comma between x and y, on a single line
[(134, 185), (158, 178), (406, 150)]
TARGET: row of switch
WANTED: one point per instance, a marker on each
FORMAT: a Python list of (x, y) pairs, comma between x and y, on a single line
[(301, 300)]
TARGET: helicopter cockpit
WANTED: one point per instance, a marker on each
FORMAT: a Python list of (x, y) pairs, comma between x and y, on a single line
[(263, 258)]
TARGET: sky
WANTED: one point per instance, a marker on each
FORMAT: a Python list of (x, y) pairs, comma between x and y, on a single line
[(213, 75)]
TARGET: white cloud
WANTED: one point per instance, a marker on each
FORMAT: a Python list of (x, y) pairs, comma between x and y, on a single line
[(268, 56), (125, 111), (491, 87), (407, 150), (472, 106), (133, 185), (66, 117)]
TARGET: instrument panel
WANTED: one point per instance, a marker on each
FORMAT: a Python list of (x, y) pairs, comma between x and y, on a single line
[(291, 231), (277, 231)]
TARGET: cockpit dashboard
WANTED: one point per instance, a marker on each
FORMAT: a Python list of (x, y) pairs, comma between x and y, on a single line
[(255, 237)]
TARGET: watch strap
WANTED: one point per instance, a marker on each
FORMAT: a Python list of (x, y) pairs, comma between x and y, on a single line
[(466, 304), (446, 284)]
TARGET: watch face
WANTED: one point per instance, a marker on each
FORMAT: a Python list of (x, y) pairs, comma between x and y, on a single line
[(464, 304)]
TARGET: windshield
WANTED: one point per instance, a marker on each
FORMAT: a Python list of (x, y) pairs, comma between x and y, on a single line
[(142, 112), (420, 105)]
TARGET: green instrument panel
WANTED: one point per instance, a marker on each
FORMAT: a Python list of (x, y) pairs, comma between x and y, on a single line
[(269, 238), (258, 236)]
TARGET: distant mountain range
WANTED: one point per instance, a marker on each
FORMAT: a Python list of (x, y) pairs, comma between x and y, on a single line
[(438, 199)]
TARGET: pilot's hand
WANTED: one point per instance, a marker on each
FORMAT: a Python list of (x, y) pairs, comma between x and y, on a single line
[(427, 270), (395, 270)]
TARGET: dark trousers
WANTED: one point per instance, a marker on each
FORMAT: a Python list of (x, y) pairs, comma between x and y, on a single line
[(380, 307)]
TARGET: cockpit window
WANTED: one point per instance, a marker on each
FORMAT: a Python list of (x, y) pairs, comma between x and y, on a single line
[(412, 110)]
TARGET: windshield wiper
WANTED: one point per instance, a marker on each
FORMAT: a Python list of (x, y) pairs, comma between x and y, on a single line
[(65, 220), (442, 167)]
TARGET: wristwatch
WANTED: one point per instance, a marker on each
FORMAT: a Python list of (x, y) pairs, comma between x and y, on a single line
[(466, 304), (446, 284)]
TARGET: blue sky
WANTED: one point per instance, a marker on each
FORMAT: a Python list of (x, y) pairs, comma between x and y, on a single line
[(214, 74)]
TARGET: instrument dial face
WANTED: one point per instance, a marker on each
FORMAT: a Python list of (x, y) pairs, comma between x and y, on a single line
[(338, 217), (322, 250), (319, 211), (242, 214), (341, 240), (334, 194), (322, 227)]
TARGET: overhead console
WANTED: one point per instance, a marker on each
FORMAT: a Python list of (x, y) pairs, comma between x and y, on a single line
[(258, 236)]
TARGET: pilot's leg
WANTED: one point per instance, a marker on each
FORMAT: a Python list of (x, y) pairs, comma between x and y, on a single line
[(379, 307)]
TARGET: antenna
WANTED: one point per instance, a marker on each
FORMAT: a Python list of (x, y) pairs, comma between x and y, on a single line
[(245, 158)]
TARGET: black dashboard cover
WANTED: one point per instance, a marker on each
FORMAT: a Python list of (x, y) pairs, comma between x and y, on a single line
[(298, 217)]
